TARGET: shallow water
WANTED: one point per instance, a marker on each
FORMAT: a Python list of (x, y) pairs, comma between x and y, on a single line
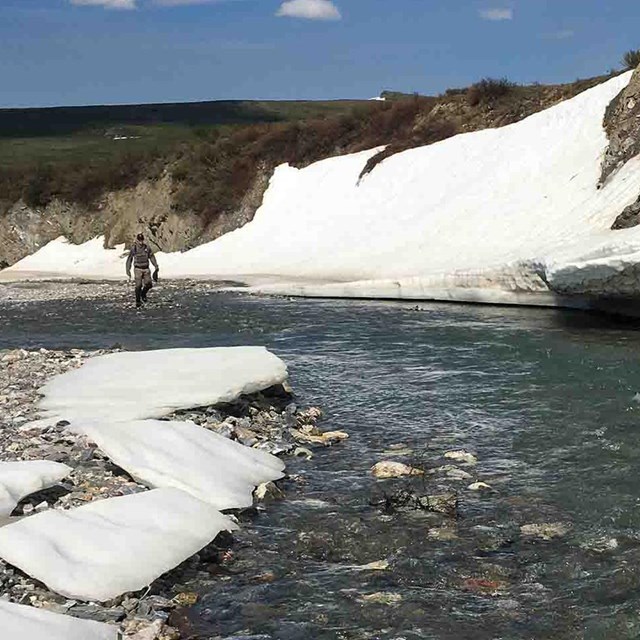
[(545, 398)]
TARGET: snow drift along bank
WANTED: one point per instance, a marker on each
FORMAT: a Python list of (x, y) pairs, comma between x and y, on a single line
[(494, 216)]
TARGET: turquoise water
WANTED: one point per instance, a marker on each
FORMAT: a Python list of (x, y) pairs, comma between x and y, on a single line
[(544, 398)]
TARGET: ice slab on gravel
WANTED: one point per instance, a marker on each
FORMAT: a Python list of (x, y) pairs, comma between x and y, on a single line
[(152, 384), (28, 623), (109, 547), (22, 478), (160, 453)]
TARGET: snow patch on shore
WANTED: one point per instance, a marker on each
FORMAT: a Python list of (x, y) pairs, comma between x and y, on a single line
[(109, 547), (151, 384), (28, 623), (182, 455), (22, 478)]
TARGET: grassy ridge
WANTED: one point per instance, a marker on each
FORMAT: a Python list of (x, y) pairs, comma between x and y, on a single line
[(103, 133), (76, 153), (55, 121)]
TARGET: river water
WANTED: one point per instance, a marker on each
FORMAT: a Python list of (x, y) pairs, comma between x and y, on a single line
[(544, 398)]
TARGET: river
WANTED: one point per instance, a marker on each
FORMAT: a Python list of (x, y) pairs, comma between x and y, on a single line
[(543, 397)]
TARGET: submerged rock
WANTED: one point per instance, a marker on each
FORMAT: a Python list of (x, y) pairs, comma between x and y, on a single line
[(461, 456), (600, 545), (382, 597), (442, 534), (545, 531), (452, 472), (444, 503), (392, 469)]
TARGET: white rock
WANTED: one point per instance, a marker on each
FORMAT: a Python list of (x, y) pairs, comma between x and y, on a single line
[(393, 469), (461, 456), (479, 486), (20, 479), (182, 455), (150, 632), (152, 384), (18, 622), (379, 565), (109, 547)]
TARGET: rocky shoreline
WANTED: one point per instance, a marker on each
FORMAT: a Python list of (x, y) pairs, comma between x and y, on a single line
[(269, 420)]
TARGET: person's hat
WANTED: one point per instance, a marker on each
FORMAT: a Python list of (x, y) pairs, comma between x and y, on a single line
[(139, 237)]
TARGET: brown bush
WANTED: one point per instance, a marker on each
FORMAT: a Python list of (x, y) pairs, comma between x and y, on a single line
[(488, 90), (631, 59)]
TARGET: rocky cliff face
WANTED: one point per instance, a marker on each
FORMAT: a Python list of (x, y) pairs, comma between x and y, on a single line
[(119, 216), (622, 123)]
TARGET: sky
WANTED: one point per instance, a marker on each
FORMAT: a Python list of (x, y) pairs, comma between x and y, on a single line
[(77, 52)]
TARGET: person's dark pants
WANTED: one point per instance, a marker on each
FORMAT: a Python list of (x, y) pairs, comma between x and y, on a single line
[(144, 284)]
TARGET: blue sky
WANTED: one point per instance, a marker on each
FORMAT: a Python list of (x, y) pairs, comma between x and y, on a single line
[(68, 52)]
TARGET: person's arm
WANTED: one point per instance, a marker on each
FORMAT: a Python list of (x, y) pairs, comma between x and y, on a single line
[(153, 260), (129, 262)]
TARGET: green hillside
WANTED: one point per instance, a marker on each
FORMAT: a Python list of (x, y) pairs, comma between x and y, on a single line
[(95, 133)]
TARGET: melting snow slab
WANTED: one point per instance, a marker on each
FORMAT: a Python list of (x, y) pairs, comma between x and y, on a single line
[(113, 546), (152, 384), (160, 453), (20, 479), (28, 623)]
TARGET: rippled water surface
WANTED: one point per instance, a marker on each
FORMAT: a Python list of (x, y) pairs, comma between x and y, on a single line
[(544, 398)]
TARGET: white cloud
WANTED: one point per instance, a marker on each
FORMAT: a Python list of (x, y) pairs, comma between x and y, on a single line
[(107, 4), (309, 9), (496, 14)]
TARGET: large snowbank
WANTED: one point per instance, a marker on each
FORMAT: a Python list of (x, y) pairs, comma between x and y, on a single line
[(109, 547), (495, 215), (22, 478), (28, 623)]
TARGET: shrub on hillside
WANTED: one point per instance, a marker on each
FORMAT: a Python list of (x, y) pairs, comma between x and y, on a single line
[(38, 188), (456, 91), (489, 90), (631, 59)]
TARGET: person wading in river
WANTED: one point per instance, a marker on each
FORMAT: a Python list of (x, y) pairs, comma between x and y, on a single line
[(141, 255)]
